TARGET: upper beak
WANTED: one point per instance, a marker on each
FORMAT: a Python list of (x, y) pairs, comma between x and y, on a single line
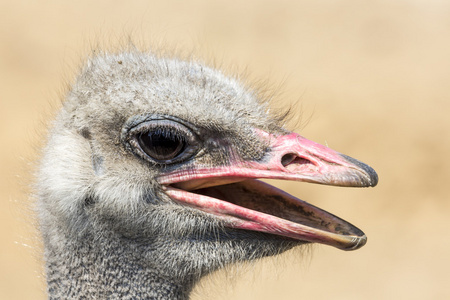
[(292, 157), (298, 158)]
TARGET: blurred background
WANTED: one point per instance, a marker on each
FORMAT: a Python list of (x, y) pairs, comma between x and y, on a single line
[(370, 79)]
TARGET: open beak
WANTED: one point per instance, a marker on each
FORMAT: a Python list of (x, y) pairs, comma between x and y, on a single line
[(233, 194)]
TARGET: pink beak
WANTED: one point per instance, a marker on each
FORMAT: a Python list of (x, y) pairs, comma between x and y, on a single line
[(232, 193)]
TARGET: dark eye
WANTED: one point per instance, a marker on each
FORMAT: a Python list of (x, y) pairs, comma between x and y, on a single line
[(162, 144), (162, 141)]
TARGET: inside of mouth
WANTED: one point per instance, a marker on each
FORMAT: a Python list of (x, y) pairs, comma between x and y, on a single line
[(258, 196)]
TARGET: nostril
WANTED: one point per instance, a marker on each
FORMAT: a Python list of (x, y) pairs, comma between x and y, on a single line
[(291, 158), (287, 159)]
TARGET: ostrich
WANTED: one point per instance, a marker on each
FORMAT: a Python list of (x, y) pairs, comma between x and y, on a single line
[(149, 181)]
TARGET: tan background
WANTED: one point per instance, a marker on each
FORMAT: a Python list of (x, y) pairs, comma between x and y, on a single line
[(372, 77)]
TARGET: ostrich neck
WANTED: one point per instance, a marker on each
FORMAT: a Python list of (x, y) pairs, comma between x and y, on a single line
[(92, 267)]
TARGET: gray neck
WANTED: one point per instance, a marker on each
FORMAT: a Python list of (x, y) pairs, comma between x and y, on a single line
[(107, 268), (98, 256)]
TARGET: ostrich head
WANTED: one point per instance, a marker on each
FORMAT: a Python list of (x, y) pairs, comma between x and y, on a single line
[(149, 179)]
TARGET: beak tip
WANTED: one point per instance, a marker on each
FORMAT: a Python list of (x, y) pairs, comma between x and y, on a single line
[(361, 241), (370, 178), (373, 178)]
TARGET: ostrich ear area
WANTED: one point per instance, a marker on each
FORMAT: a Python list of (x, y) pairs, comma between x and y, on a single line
[(234, 195)]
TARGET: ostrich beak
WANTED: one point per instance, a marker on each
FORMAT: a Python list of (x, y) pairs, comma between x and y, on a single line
[(233, 194)]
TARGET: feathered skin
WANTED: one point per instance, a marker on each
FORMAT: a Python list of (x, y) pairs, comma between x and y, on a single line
[(110, 228)]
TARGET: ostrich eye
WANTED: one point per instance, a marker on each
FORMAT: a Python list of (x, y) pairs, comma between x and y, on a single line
[(162, 145), (162, 141)]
